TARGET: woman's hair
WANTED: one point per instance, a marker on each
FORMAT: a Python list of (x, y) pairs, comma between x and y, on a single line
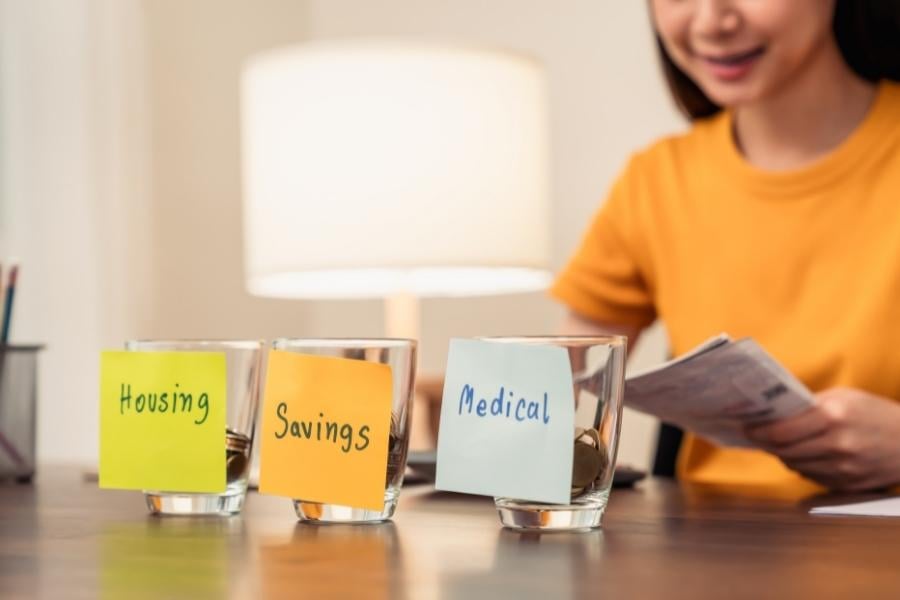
[(867, 32)]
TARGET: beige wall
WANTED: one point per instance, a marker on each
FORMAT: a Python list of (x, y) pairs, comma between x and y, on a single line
[(194, 64), (74, 198), (163, 172), (606, 100)]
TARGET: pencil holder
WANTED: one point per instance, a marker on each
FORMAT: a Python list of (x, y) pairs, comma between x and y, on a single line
[(18, 408)]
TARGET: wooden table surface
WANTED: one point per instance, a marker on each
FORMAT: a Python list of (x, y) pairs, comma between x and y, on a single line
[(63, 538)]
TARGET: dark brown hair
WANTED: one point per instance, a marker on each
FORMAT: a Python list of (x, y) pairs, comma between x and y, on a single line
[(867, 32)]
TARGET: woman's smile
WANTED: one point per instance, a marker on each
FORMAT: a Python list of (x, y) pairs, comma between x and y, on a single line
[(731, 66)]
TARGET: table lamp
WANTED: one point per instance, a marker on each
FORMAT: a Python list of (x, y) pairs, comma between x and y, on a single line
[(394, 170)]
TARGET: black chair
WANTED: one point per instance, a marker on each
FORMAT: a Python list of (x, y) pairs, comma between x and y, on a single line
[(667, 444)]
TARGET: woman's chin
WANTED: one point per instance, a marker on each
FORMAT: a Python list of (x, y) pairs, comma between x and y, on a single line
[(732, 96)]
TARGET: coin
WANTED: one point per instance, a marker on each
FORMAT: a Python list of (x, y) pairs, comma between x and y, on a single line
[(395, 451), (590, 461), (586, 465), (394, 435), (237, 450), (235, 466)]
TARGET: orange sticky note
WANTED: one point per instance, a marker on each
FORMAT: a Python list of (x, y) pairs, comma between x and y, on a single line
[(325, 429)]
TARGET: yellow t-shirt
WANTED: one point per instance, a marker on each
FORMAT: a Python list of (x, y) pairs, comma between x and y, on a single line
[(807, 262)]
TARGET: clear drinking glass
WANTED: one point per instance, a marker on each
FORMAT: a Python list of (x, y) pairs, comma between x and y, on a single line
[(598, 376), (242, 365), (400, 354)]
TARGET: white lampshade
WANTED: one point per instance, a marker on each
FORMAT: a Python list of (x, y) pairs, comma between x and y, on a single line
[(375, 168)]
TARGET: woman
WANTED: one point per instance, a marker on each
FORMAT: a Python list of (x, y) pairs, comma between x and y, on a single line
[(776, 216)]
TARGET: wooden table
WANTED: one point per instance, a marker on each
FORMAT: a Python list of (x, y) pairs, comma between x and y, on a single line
[(63, 537)]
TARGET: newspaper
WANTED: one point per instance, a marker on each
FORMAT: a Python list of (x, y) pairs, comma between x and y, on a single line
[(717, 389)]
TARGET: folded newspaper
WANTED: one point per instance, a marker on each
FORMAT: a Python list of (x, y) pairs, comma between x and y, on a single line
[(717, 389)]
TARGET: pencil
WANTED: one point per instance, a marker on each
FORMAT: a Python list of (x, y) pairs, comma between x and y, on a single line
[(8, 304)]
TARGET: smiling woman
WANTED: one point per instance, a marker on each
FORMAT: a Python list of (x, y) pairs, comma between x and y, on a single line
[(864, 32), (775, 217)]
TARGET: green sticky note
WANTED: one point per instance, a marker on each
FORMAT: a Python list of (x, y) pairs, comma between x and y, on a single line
[(162, 421)]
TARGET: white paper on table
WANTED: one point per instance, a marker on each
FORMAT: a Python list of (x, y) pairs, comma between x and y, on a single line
[(886, 507), (717, 389)]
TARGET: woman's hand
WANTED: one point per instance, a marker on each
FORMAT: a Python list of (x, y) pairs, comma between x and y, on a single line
[(848, 441)]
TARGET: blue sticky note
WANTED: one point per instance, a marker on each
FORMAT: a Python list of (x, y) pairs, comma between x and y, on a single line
[(507, 420)]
